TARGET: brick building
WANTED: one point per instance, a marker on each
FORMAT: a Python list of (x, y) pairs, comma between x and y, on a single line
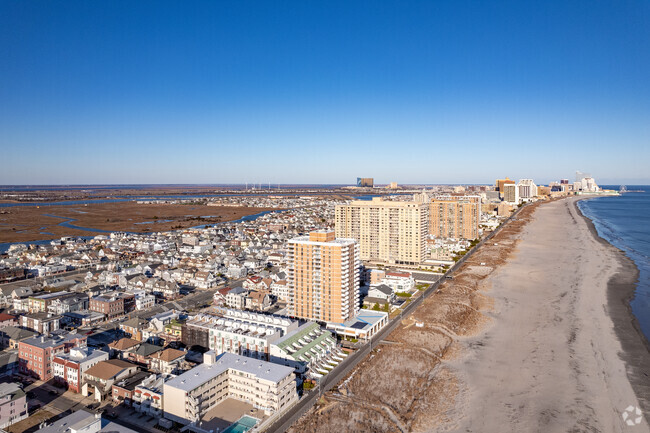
[(111, 305), (36, 354)]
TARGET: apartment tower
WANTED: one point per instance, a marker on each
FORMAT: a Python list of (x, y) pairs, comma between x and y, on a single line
[(511, 193), (392, 232), (454, 217), (323, 277)]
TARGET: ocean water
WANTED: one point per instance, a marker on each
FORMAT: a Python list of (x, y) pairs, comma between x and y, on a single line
[(624, 221)]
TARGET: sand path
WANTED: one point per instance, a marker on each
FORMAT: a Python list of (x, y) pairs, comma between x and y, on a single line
[(551, 361)]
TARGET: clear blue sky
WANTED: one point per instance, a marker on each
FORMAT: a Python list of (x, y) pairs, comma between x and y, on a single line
[(322, 92)]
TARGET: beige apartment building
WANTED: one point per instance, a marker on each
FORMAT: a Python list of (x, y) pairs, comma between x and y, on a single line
[(454, 217), (267, 386), (392, 232), (323, 277)]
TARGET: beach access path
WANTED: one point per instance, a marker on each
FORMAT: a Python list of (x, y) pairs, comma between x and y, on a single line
[(560, 352)]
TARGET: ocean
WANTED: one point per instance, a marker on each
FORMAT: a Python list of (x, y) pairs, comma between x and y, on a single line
[(624, 221)]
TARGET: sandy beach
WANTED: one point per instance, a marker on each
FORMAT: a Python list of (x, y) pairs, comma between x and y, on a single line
[(562, 353)]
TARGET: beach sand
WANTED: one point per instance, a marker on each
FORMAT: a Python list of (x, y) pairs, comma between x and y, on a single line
[(562, 353)]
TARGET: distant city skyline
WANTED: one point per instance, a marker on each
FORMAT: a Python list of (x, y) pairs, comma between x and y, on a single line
[(322, 93)]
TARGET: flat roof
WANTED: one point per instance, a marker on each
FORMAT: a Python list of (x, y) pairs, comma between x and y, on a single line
[(45, 342), (203, 373), (366, 319)]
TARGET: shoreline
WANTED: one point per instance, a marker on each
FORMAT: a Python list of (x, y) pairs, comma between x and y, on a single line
[(562, 352), (621, 289)]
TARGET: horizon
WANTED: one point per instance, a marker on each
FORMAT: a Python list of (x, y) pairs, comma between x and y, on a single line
[(417, 93)]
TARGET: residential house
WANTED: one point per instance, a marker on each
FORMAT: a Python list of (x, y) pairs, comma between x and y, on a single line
[(7, 320), (99, 379), (166, 361), (133, 328), (280, 289), (258, 300), (236, 298), (381, 291), (13, 404), (10, 336), (123, 347), (174, 330)]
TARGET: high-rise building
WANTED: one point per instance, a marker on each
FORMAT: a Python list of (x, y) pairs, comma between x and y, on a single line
[(511, 193), (365, 182), (393, 232), (323, 277), (526, 188), (454, 217), (501, 183)]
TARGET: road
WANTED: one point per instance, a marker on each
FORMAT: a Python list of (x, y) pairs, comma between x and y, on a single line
[(335, 376)]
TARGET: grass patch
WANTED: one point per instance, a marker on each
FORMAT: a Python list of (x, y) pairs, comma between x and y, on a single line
[(403, 294)]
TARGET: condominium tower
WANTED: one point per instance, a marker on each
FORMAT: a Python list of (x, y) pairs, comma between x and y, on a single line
[(393, 232), (527, 188), (455, 217), (501, 183), (511, 193), (323, 277)]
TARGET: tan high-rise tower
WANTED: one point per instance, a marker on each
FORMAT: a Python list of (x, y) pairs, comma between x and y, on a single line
[(455, 217), (389, 231), (323, 277)]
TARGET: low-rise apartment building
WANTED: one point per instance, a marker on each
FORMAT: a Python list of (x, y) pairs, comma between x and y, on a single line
[(265, 385), (37, 353), (99, 379), (148, 395), (240, 332), (43, 323), (111, 306)]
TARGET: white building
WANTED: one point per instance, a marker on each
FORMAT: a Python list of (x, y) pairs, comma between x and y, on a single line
[(242, 332), (267, 386), (69, 368), (526, 189), (280, 289), (144, 302), (399, 281)]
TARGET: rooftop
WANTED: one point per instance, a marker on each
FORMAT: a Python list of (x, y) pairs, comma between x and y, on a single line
[(365, 320), (11, 389), (203, 373), (108, 369), (47, 342), (132, 381)]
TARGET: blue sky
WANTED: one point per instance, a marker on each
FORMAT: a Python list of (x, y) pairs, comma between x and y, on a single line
[(322, 92)]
